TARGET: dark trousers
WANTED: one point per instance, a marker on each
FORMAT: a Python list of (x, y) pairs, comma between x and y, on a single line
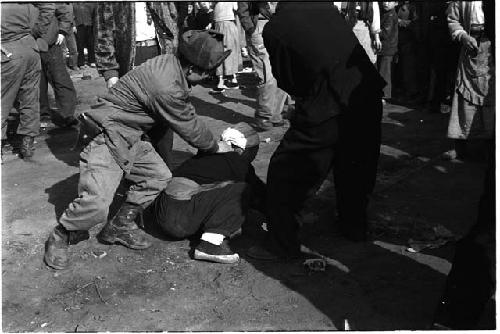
[(72, 50), (407, 66), (85, 39), (162, 137), (384, 65), (220, 210), (20, 86), (54, 72), (350, 144)]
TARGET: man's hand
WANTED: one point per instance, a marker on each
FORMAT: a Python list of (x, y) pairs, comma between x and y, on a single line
[(224, 147), (377, 44), (469, 42), (74, 29), (60, 39), (111, 82)]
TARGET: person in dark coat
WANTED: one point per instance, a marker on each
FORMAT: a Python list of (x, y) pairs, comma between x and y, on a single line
[(336, 122), (22, 25), (112, 135), (389, 38), (85, 13)]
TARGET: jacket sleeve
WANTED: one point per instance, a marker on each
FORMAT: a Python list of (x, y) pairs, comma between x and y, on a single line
[(105, 52), (375, 24), (182, 118), (454, 24), (387, 27), (64, 15), (46, 12), (245, 17)]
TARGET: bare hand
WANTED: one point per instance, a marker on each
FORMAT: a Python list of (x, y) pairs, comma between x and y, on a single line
[(74, 29), (469, 42), (377, 43), (111, 82), (60, 39), (224, 147)]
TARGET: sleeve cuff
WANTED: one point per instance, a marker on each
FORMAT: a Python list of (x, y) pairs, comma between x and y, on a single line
[(110, 74)]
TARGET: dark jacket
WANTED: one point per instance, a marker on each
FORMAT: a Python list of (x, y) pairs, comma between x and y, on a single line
[(20, 20), (250, 12), (115, 29), (319, 58), (84, 13), (388, 32), (61, 23), (155, 92)]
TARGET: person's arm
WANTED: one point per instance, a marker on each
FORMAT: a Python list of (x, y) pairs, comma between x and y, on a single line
[(245, 17), (46, 12), (375, 26), (456, 28), (64, 15), (105, 52)]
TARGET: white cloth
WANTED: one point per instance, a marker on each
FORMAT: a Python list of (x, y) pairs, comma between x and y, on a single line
[(224, 11), (143, 30), (213, 238), (477, 14), (234, 137)]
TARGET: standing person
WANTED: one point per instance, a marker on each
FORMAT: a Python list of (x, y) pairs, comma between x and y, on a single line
[(54, 69), (225, 23), (70, 42), (270, 99), (389, 39), (155, 92), (364, 18), (84, 21), (21, 68), (336, 122), (128, 34), (473, 105)]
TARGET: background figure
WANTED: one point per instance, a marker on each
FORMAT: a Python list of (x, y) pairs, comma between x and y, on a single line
[(406, 68), (54, 69), (389, 39), (225, 23), (21, 68), (84, 13), (364, 18), (270, 99), (130, 33), (473, 106), (70, 44)]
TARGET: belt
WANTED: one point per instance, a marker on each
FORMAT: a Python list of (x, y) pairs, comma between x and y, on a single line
[(148, 42)]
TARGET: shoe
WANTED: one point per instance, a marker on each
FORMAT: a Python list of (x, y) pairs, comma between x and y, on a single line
[(123, 230), (262, 125), (258, 252), (27, 147), (56, 246), (92, 65), (217, 90), (209, 252), (232, 85)]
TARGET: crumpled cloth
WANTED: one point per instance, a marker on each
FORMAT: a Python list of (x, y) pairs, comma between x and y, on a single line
[(234, 137)]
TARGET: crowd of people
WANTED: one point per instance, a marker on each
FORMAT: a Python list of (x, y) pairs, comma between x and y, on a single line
[(341, 64)]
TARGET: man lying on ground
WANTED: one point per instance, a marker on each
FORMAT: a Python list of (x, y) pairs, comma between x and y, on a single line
[(211, 193)]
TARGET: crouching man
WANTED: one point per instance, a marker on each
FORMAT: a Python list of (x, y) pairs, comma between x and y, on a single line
[(211, 193), (157, 92)]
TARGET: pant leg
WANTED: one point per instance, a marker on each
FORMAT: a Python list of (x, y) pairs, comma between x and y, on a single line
[(45, 77), (384, 68), (355, 166), (60, 80), (72, 49), (297, 168), (81, 43), (90, 43), (163, 141), (149, 175), (220, 210), (100, 176), (28, 96), (12, 72)]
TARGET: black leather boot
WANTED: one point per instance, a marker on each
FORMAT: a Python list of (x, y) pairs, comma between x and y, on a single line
[(27, 147), (123, 229), (56, 246)]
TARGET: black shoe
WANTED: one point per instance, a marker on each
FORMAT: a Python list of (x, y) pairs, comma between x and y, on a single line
[(27, 147), (231, 85), (209, 252), (217, 90), (122, 229)]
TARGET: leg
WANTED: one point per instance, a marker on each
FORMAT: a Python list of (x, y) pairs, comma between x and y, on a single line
[(162, 139), (90, 44), (310, 152), (72, 50), (60, 80), (12, 74), (384, 68), (45, 77), (81, 37)]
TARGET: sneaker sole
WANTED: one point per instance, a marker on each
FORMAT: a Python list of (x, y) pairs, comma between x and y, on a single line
[(227, 259)]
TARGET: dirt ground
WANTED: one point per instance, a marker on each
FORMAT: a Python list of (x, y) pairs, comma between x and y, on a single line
[(378, 285)]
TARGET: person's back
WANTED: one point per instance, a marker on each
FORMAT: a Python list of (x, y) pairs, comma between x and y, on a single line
[(17, 20)]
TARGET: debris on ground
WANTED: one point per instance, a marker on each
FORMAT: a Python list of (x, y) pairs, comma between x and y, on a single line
[(439, 237), (315, 264), (99, 254)]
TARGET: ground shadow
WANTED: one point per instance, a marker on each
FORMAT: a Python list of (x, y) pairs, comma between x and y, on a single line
[(62, 142), (219, 112), (62, 193)]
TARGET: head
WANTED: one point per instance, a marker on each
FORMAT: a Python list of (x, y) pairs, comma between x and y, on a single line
[(388, 5), (252, 140), (201, 51)]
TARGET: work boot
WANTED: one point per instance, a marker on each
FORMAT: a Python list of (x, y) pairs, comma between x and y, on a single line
[(122, 229), (56, 246), (27, 147)]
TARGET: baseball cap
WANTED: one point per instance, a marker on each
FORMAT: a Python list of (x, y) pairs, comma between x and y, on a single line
[(203, 48)]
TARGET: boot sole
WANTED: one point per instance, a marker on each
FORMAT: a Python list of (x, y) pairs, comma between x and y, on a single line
[(226, 259), (119, 241), (52, 265)]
